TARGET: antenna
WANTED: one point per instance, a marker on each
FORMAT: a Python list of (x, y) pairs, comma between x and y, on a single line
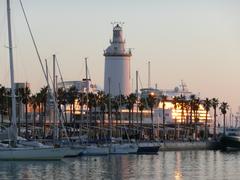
[(117, 22), (149, 75)]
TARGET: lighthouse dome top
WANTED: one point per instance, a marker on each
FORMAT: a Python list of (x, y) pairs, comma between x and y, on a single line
[(117, 44), (117, 28)]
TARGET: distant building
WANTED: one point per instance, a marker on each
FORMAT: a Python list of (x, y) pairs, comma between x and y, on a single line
[(81, 86), (172, 113)]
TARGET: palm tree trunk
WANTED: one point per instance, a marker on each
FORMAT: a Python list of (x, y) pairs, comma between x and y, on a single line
[(26, 121), (74, 120), (141, 129), (190, 124), (132, 117), (65, 113), (224, 125), (2, 118), (95, 122), (44, 108), (90, 119), (205, 130), (152, 133), (34, 121), (129, 120), (19, 125), (102, 124), (215, 124), (164, 133), (175, 128)]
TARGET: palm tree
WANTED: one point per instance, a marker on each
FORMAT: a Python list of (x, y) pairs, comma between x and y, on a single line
[(3, 101), (42, 97), (62, 101), (9, 104), (182, 100), (72, 95), (90, 104), (207, 104), (18, 108), (116, 106), (33, 101), (215, 103), (141, 106), (82, 100), (163, 99), (25, 94), (187, 106), (194, 103), (223, 108), (175, 102), (102, 103), (151, 102), (131, 100)]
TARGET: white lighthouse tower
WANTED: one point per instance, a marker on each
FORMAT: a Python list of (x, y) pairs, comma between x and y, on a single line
[(117, 65)]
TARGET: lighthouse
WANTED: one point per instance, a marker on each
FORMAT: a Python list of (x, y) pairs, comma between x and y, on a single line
[(117, 78)]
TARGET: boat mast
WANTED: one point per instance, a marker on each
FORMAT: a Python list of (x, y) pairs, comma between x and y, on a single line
[(54, 96), (110, 109), (13, 121), (149, 75), (137, 98), (87, 89)]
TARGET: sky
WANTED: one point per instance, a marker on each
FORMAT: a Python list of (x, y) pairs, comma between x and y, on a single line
[(190, 40)]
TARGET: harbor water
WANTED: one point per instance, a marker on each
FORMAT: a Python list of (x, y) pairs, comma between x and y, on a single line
[(166, 165)]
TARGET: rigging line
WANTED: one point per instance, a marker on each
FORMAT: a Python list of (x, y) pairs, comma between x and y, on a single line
[(60, 73), (34, 42), (140, 80), (40, 60)]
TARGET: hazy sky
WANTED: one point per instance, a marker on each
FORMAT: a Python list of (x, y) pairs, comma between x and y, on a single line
[(197, 41)]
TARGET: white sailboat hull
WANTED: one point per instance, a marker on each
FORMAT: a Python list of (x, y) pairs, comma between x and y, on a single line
[(123, 148), (32, 153), (75, 151), (94, 150)]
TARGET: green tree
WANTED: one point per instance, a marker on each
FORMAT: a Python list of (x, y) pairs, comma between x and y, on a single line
[(142, 104), (33, 101), (72, 96), (102, 103), (215, 104), (223, 108), (163, 100), (151, 102), (62, 101), (25, 95), (42, 98), (207, 104), (130, 101), (3, 102)]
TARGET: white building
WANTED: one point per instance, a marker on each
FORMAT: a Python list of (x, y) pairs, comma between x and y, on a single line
[(117, 65), (81, 86)]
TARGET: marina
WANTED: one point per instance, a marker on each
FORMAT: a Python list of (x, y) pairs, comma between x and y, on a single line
[(121, 128)]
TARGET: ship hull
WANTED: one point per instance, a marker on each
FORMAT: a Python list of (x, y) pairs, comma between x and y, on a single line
[(231, 142)]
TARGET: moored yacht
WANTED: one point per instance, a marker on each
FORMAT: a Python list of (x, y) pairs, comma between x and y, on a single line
[(231, 139), (148, 147), (96, 149), (123, 148)]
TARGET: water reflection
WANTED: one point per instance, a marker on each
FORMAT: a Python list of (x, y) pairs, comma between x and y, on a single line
[(167, 165), (178, 172)]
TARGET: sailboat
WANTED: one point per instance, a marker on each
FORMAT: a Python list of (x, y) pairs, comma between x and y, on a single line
[(31, 151)]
